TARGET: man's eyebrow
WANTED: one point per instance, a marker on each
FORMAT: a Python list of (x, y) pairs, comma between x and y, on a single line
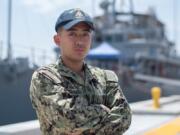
[(74, 29)]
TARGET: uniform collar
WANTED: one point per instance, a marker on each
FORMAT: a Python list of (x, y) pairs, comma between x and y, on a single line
[(67, 72)]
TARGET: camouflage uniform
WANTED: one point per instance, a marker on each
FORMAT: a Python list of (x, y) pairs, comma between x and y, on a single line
[(66, 104)]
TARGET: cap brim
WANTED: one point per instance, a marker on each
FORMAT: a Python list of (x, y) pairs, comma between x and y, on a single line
[(74, 22)]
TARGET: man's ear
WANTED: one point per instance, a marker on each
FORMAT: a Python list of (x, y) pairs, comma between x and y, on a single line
[(57, 39)]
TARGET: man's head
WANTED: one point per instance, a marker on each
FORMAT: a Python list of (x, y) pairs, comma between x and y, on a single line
[(74, 34), (71, 17)]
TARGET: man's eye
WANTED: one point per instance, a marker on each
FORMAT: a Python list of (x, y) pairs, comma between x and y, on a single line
[(72, 34), (86, 34)]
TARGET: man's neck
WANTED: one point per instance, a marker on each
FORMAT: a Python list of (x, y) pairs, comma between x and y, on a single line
[(75, 66)]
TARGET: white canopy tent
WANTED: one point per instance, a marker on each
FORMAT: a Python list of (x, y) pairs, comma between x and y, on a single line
[(104, 51)]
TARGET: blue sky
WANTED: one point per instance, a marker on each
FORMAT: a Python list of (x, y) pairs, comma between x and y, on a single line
[(33, 22)]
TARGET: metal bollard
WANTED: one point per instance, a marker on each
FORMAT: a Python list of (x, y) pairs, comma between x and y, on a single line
[(156, 93)]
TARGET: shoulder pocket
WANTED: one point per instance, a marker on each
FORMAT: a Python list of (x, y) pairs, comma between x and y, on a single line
[(110, 76), (50, 74)]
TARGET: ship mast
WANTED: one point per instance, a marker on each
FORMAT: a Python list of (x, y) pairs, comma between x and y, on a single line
[(9, 49), (131, 5), (175, 12), (114, 12)]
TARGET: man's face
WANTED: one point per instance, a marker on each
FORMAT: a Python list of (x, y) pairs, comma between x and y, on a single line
[(75, 42)]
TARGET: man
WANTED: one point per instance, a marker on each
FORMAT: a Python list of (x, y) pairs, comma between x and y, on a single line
[(71, 97)]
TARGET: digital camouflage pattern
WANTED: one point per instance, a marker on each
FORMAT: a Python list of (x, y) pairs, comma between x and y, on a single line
[(66, 104)]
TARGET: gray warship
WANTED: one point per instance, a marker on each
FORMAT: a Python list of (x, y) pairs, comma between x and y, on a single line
[(15, 76), (147, 59)]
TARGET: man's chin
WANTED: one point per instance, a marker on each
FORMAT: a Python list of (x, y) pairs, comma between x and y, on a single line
[(78, 59)]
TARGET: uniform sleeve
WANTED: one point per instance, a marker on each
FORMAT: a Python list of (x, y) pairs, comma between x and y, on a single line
[(62, 109), (119, 118)]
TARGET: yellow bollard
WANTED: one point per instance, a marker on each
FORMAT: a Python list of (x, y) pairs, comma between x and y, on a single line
[(156, 93)]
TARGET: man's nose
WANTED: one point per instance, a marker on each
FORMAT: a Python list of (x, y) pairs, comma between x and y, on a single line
[(79, 44), (79, 40)]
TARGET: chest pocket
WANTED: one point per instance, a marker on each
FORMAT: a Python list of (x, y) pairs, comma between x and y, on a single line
[(72, 86), (94, 94)]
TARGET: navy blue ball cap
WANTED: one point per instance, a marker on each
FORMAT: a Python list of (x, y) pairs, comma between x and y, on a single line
[(71, 17)]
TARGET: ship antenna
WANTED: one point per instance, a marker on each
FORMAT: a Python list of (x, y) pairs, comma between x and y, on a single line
[(1, 50), (114, 11), (175, 21), (105, 5), (9, 50), (131, 6)]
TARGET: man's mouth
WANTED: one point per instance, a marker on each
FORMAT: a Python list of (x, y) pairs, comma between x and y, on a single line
[(79, 49)]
